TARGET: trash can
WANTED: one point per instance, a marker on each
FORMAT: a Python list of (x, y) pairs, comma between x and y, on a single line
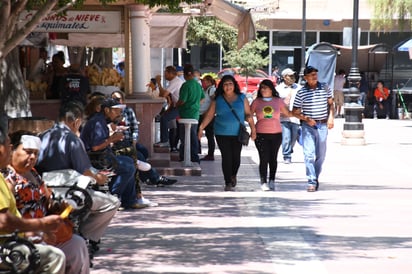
[(157, 128), (400, 114)]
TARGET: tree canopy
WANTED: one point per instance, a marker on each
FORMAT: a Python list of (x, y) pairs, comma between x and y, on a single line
[(250, 56), (388, 13), (211, 30)]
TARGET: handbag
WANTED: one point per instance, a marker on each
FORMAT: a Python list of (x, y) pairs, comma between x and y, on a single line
[(243, 135)]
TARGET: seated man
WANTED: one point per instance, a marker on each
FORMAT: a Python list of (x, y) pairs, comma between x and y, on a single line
[(52, 259), (96, 137), (382, 99), (61, 148), (131, 134), (171, 93)]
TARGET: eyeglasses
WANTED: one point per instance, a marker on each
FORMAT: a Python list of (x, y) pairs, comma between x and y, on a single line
[(228, 84)]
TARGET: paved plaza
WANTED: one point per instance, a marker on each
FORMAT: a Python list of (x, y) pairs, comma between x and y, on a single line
[(360, 221)]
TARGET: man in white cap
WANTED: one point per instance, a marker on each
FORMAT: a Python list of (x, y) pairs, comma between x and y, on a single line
[(290, 125)]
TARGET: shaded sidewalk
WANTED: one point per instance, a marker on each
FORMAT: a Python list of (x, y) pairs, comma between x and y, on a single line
[(357, 223)]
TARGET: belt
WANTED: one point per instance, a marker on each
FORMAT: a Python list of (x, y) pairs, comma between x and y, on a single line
[(323, 121)]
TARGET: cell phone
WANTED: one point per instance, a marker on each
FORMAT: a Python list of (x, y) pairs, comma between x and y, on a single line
[(153, 80)]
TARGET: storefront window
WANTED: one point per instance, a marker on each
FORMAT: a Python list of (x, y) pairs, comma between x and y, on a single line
[(390, 38), (331, 37), (291, 38)]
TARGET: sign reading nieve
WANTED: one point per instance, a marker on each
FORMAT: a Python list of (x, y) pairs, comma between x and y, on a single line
[(78, 21)]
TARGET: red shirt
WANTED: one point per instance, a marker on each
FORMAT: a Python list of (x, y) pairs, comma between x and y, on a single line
[(381, 96)]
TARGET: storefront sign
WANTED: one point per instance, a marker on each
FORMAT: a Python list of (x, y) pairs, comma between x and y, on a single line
[(78, 21)]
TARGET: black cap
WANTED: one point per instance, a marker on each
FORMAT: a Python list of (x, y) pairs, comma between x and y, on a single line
[(309, 69), (112, 103)]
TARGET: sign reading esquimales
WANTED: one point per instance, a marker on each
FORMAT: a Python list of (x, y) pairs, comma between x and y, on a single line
[(78, 21)]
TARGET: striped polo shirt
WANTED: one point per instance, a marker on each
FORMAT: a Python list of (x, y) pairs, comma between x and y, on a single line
[(314, 102)]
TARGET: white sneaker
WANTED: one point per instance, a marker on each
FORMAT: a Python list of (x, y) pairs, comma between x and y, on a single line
[(271, 185), (143, 166), (264, 187), (144, 201)]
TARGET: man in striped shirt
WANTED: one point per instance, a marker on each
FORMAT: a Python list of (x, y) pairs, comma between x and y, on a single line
[(314, 106)]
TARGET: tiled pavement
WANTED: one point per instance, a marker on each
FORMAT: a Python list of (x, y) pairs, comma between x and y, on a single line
[(359, 222)]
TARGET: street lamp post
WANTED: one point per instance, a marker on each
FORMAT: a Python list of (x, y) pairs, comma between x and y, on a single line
[(303, 42), (353, 133)]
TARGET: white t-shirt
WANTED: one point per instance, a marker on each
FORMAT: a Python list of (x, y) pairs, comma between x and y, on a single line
[(288, 93), (174, 88), (204, 105)]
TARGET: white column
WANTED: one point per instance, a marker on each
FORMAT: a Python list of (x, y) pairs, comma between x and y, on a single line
[(140, 47)]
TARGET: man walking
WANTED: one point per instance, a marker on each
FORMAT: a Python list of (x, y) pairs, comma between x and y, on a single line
[(290, 125), (314, 106)]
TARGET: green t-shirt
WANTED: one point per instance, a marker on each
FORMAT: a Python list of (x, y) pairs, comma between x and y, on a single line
[(190, 93)]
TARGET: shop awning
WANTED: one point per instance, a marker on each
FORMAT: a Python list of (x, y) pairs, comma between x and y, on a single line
[(236, 17), (406, 46), (169, 30), (166, 31), (369, 59)]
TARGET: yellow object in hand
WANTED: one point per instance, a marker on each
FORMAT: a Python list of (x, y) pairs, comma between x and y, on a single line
[(66, 212)]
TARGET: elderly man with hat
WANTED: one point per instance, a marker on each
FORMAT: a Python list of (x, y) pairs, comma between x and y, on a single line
[(314, 106), (290, 125), (96, 137)]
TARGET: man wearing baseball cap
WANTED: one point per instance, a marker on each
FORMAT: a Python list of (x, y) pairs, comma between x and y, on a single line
[(96, 137), (290, 125), (314, 106)]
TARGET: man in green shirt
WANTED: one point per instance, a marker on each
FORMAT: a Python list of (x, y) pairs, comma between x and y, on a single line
[(191, 93)]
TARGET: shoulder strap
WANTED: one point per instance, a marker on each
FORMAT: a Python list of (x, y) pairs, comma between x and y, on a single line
[(233, 111)]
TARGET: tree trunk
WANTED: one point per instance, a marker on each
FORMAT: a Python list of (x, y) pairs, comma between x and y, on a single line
[(14, 96), (103, 57), (77, 55)]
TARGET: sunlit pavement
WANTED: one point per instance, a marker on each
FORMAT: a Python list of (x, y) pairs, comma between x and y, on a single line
[(358, 222)]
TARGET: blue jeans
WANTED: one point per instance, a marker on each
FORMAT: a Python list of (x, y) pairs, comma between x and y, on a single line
[(165, 118), (289, 137), (314, 149), (124, 183)]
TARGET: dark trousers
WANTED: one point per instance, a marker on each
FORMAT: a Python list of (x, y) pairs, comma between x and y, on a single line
[(268, 147), (230, 149), (210, 136), (165, 118), (383, 108)]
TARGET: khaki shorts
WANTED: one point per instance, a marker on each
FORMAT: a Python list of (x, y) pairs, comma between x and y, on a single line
[(338, 97)]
